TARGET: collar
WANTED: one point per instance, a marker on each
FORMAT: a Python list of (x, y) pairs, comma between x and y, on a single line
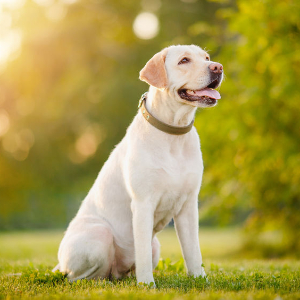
[(159, 124)]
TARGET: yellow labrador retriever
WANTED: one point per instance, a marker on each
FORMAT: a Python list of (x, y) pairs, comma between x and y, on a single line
[(153, 175)]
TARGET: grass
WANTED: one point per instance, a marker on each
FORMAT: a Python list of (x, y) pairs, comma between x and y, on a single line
[(230, 275)]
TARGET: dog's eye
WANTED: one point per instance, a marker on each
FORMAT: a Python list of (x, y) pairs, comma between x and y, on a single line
[(207, 58), (184, 61)]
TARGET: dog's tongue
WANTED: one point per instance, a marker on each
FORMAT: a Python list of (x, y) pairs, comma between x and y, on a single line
[(211, 93)]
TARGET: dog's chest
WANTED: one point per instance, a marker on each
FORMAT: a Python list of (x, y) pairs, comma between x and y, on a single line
[(176, 181)]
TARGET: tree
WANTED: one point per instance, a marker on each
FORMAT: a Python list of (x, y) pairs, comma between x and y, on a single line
[(262, 137)]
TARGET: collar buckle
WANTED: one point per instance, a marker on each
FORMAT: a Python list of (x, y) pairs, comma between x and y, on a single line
[(143, 97)]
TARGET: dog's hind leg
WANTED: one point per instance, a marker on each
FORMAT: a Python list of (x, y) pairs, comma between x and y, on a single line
[(87, 253), (91, 273)]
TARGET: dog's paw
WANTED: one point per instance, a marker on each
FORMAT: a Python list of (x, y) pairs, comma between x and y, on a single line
[(146, 281), (151, 285), (198, 273), (203, 275)]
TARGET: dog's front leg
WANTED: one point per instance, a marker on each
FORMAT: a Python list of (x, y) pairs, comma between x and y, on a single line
[(186, 224), (142, 231)]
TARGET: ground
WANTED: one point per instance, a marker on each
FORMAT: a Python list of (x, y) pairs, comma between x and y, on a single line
[(26, 259)]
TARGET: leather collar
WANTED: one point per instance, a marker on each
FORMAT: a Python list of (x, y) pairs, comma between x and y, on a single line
[(159, 124)]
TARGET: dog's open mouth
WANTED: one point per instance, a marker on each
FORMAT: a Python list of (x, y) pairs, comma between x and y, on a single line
[(207, 96)]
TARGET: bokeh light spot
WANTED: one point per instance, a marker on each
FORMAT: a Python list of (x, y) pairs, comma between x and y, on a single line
[(146, 25), (56, 12), (10, 43), (4, 122), (12, 4), (87, 144), (19, 144)]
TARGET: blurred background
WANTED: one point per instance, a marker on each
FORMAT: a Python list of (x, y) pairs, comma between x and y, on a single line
[(69, 88)]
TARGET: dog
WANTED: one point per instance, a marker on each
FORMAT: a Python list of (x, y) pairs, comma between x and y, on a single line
[(153, 175)]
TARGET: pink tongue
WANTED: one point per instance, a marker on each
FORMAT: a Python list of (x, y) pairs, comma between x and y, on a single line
[(208, 92)]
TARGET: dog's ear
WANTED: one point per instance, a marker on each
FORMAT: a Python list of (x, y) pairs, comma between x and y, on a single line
[(154, 72)]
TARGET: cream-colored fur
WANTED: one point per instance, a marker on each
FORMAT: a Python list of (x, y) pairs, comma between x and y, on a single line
[(149, 178)]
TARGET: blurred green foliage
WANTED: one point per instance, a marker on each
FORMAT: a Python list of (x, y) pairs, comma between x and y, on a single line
[(258, 148), (73, 88)]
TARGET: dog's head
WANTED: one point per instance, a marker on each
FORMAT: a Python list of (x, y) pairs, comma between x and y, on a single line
[(187, 72)]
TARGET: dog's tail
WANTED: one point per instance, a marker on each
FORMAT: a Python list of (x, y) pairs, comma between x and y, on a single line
[(56, 268)]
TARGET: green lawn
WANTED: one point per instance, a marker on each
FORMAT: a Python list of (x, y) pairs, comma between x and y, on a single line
[(230, 274)]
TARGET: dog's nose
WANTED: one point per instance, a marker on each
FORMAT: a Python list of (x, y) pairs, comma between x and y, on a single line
[(216, 67)]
